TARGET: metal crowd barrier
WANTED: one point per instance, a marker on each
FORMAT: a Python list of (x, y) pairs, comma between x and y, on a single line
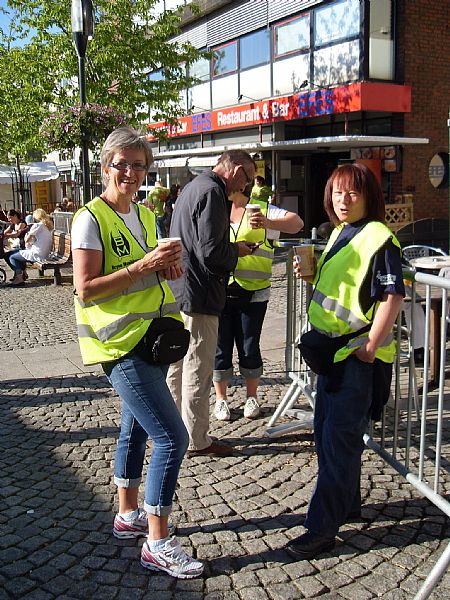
[(413, 437)]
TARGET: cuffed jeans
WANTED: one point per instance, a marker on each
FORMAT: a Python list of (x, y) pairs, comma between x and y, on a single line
[(240, 324), (190, 379), (341, 416), (148, 411), (16, 261)]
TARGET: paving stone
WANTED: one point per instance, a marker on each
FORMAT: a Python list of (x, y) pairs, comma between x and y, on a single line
[(310, 587)]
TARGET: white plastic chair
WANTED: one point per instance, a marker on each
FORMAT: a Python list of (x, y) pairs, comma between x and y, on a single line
[(419, 250)]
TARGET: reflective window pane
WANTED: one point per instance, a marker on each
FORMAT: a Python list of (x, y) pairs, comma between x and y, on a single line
[(225, 59), (200, 69), (289, 74), (254, 49), (336, 22), (292, 36), (336, 64)]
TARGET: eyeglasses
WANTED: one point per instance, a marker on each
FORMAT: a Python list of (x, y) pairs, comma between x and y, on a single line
[(249, 179), (123, 166)]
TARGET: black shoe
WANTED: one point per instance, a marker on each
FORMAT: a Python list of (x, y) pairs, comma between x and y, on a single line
[(357, 517), (309, 545)]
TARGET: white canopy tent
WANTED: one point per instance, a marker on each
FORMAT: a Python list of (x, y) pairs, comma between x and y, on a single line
[(35, 171)]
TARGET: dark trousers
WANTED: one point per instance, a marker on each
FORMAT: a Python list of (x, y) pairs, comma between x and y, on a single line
[(341, 416), (240, 323)]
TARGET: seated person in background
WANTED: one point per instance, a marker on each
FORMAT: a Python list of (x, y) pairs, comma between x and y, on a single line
[(15, 230), (64, 203), (38, 242), (3, 217), (157, 199), (260, 191), (70, 206)]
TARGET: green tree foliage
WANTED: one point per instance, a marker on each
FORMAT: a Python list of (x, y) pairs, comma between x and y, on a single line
[(39, 66)]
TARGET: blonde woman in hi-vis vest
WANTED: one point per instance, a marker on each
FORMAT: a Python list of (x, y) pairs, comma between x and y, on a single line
[(119, 277)]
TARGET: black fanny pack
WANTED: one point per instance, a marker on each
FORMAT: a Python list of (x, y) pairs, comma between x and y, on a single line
[(318, 349), (238, 295), (165, 342)]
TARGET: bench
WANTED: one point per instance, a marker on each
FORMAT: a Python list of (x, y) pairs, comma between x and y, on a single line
[(57, 258)]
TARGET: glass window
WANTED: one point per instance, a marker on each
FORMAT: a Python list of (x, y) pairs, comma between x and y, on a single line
[(381, 43), (200, 69), (254, 49), (290, 73), (336, 22), (225, 59), (292, 36), (336, 64)]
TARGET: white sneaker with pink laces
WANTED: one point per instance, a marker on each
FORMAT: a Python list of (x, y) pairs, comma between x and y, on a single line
[(171, 559)]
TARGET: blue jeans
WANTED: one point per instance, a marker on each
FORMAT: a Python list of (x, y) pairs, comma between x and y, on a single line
[(341, 416), (16, 261), (240, 324), (148, 411)]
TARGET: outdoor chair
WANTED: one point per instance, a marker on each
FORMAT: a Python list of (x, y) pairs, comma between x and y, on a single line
[(419, 251)]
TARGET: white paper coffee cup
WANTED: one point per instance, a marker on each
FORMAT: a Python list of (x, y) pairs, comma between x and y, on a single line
[(252, 209), (305, 258), (168, 240)]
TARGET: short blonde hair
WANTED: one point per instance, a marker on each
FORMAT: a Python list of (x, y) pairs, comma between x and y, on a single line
[(120, 139)]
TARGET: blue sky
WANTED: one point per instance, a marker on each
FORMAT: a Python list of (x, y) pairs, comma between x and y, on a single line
[(4, 19)]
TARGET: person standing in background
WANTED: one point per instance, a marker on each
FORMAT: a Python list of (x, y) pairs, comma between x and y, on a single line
[(260, 191), (248, 294), (201, 220), (157, 200)]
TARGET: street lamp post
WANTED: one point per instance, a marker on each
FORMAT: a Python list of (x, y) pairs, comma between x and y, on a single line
[(82, 31)]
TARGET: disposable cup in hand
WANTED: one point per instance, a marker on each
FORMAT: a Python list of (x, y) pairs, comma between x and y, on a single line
[(252, 209), (168, 240), (305, 258)]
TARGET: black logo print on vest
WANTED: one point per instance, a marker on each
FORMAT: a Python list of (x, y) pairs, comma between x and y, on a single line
[(119, 243)]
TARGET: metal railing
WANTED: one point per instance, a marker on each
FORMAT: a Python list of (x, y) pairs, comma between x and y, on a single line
[(413, 437)]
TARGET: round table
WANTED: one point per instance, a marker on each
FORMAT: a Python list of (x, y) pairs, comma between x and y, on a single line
[(430, 263)]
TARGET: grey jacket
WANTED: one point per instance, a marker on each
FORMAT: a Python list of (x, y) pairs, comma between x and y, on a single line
[(201, 219)]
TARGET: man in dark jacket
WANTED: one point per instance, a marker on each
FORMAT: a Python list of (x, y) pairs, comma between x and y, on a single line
[(201, 219)]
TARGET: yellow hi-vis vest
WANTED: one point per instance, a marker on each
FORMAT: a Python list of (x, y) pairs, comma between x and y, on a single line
[(110, 327), (334, 308), (253, 272)]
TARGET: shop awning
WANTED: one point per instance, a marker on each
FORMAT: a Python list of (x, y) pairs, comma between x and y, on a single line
[(319, 144), (36, 171), (163, 163), (203, 161)]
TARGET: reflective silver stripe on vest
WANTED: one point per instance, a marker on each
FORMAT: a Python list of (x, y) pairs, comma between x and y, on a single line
[(246, 274), (143, 284), (357, 342), (340, 311), (105, 333), (263, 253)]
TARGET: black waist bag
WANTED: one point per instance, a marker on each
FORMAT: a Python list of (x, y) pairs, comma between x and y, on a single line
[(237, 295), (165, 342), (318, 349)]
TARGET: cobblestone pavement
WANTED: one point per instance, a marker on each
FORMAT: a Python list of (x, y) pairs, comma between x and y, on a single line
[(57, 444)]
